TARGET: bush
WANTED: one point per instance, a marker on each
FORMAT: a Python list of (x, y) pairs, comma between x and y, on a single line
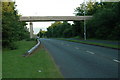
[(30, 39), (13, 46), (9, 45)]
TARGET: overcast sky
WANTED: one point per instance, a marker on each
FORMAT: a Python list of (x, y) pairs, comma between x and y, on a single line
[(46, 8)]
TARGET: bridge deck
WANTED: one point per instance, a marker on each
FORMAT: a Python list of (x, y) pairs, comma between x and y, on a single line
[(53, 18)]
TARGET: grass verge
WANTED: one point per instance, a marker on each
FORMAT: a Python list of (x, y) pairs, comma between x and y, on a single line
[(0, 64), (94, 43), (38, 65)]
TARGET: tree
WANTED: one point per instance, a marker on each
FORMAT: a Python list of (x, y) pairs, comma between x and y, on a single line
[(12, 29), (59, 29), (77, 28), (41, 33), (105, 22), (89, 9)]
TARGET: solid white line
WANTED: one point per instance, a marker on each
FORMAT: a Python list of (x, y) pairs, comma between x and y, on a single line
[(90, 52), (116, 60)]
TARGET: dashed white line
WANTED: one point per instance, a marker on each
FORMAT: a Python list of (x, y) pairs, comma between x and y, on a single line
[(76, 48), (116, 60), (90, 52)]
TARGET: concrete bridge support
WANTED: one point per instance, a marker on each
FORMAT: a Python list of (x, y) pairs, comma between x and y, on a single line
[(31, 30)]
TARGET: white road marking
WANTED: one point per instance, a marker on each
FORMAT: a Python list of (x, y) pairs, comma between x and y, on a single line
[(116, 60), (76, 48), (90, 52)]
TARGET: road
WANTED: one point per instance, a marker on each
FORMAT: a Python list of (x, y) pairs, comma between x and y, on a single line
[(77, 60)]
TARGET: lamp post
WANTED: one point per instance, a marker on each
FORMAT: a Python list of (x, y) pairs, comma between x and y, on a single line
[(84, 21)]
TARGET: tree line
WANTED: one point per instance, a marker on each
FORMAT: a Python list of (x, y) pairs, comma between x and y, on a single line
[(105, 23), (12, 29)]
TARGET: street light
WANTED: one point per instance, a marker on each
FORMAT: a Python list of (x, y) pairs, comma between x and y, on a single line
[(84, 22)]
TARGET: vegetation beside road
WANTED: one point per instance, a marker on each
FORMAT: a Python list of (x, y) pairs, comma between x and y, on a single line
[(38, 65), (105, 23), (0, 65), (93, 43), (12, 29)]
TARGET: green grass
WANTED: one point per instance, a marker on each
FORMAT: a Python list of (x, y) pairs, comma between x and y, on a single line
[(17, 66), (103, 40), (0, 64), (93, 43), (0, 58)]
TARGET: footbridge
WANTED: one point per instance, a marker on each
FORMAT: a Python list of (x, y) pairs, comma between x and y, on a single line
[(50, 18)]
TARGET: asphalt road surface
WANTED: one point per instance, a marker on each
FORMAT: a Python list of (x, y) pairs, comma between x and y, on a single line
[(77, 60)]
